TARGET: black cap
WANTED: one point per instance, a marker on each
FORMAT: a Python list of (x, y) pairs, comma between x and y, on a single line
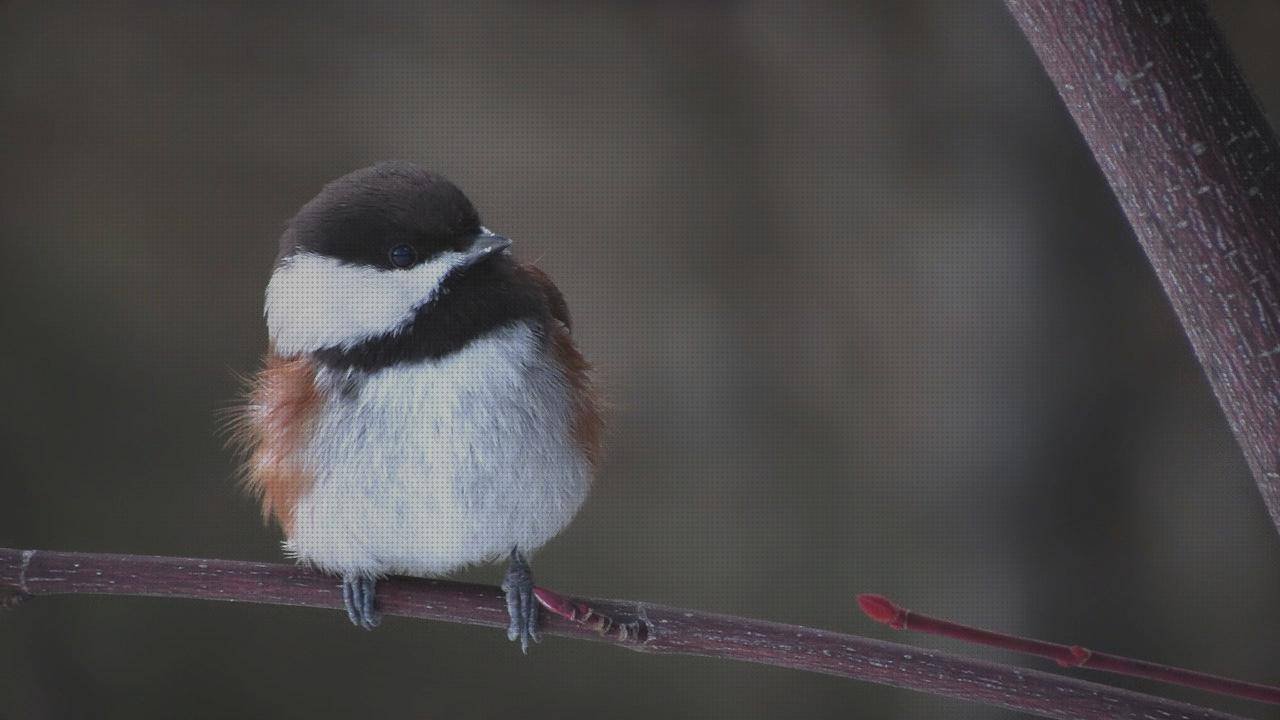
[(362, 216)]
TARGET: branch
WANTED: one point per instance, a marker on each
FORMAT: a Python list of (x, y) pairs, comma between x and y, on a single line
[(883, 610), (31, 573), (1188, 152)]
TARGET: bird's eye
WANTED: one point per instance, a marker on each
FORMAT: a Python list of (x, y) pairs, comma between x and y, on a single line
[(402, 256)]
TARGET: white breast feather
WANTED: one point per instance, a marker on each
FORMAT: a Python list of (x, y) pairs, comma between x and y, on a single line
[(421, 468)]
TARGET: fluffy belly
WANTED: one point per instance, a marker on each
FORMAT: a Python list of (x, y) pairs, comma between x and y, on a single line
[(417, 469)]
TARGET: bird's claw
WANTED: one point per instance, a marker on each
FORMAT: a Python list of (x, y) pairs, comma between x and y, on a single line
[(360, 598), (522, 608)]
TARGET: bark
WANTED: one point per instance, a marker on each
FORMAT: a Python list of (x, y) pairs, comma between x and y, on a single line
[(26, 574), (1186, 148)]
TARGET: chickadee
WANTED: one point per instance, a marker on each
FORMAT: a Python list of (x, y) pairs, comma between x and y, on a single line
[(422, 406)]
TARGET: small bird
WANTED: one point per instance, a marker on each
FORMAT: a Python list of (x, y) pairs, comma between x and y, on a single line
[(422, 405)]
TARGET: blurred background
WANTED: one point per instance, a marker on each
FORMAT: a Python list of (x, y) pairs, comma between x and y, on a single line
[(868, 315)]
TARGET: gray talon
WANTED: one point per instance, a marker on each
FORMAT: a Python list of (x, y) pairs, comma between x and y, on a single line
[(522, 608), (359, 596), (349, 602)]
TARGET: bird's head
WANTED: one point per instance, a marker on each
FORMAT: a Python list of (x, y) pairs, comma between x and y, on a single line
[(367, 253)]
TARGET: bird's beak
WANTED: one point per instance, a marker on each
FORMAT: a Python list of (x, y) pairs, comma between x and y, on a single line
[(487, 243)]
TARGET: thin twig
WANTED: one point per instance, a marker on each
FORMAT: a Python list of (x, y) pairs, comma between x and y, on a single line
[(883, 610), (28, 574)]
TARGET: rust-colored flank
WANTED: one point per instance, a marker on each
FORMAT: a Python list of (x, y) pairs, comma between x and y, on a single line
[(274, 426)]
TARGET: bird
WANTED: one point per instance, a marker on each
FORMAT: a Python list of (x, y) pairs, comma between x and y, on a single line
[(422, 405)]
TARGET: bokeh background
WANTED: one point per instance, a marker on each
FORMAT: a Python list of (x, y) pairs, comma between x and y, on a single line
[(868, 315)]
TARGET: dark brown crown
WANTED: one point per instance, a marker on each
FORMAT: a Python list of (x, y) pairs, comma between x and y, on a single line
[(361, 216)]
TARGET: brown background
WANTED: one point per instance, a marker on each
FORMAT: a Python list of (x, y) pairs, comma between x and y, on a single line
[(869, 317)]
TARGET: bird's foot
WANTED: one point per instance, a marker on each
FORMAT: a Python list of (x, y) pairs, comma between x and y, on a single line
[(359, 596), (521, 606)]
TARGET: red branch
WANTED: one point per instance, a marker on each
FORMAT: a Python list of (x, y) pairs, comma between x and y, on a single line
[(884, 611), (1189, 154), (31, 573)]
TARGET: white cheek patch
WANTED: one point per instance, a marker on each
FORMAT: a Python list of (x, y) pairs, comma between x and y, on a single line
[(315, 302)]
